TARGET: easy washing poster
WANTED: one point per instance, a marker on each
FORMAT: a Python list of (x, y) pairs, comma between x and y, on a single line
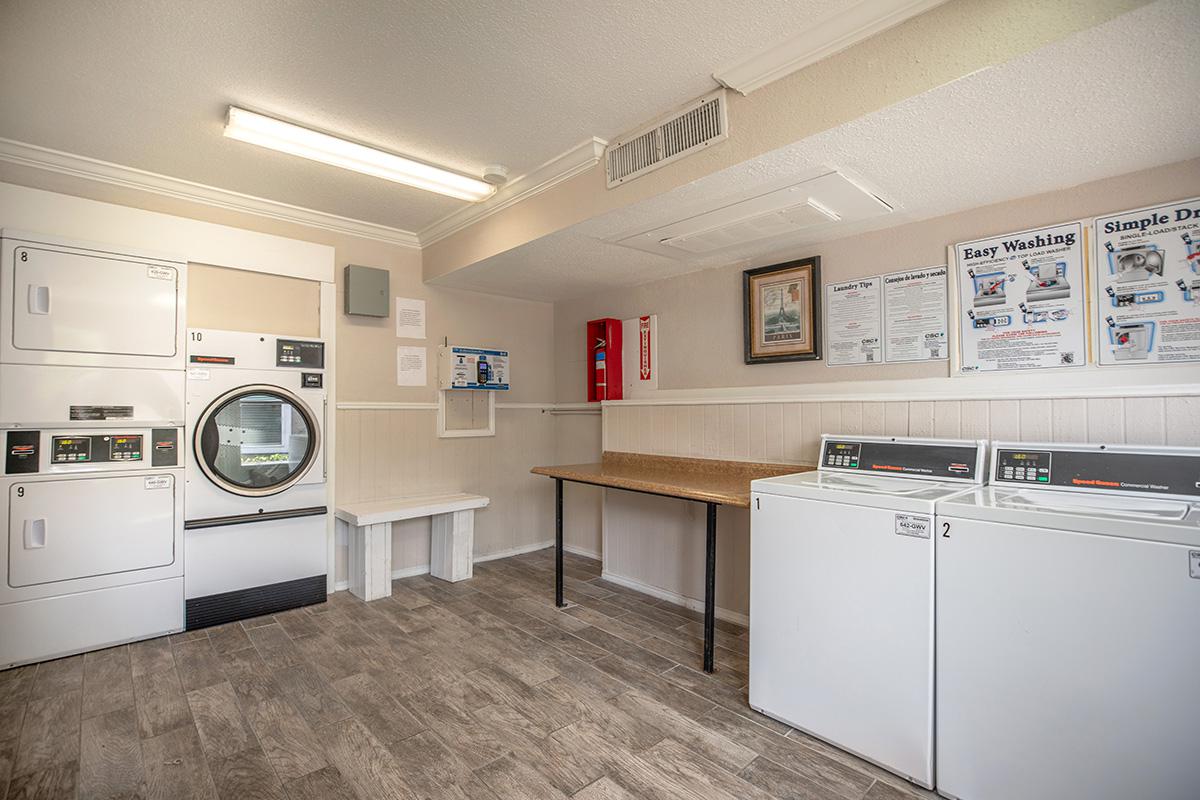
[(1021, 300), (1148, 284)]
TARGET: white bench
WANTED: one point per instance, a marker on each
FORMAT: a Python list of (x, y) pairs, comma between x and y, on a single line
[(370, 527)]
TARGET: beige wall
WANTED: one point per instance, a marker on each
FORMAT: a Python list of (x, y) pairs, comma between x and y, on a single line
[(700, 314), (220, 298), (658, 544), (392, 450)]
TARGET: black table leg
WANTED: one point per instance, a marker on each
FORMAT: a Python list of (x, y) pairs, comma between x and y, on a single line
[(558, 544), (710, 586)]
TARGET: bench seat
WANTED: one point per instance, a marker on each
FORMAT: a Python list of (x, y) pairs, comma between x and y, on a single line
[(370, 533)]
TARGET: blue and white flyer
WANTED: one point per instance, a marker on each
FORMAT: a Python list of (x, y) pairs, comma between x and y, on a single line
[(1148, 284), (1021, 300)]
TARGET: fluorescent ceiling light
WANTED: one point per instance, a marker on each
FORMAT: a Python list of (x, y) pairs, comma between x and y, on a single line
[(246, 126)]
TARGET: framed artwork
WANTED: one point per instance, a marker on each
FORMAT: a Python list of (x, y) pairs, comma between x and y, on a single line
[(782, 315)]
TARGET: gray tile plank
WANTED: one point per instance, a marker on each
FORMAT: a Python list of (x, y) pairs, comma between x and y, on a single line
[(364, 762), (720, 750), (510, 779), (323, 784), (286, 738), (696, 773), (50, 733), (110, 761), (57, 782), (246, 775), (161, 703), (223, 731), (176, 768)]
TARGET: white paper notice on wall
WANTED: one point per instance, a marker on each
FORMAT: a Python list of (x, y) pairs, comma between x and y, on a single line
[(410, 318), (411, 366), (914, 315), (1021, 300), (1147, 265), (853, 322)]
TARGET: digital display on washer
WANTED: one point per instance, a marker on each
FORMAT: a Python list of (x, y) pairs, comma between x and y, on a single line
[(902, 458), (125, 448), (70, 449), (1101, 470)]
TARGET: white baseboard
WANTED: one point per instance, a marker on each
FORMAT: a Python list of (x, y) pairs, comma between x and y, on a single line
[(580, 551), (672, 597)]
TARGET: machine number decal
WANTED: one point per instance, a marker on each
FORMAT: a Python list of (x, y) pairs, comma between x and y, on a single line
[(1194, 563), (160, 273), (158, 482), (913, 525), (197, 374)]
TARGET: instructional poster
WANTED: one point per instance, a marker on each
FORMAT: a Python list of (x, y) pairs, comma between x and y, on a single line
[(914, 321), (1021, 300), (852, 323), (1148, 284)]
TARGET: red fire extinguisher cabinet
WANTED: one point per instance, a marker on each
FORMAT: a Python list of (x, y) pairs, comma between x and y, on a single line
[(604, 379)]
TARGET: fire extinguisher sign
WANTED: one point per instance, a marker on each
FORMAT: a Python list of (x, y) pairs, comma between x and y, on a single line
[(644, 365)]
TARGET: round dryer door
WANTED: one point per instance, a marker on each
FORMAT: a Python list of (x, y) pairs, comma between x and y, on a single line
[(257, 440)]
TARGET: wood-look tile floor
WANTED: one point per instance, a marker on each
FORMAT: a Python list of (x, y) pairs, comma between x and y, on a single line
[(480, 689)]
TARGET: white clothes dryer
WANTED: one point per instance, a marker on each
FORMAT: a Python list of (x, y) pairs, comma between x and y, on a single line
[(257, 497)]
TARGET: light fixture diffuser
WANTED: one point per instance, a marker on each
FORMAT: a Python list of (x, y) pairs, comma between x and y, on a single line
[(247, 126)]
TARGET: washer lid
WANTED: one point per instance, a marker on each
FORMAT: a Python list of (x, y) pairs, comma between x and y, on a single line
[(1127, 516), (877, 491)]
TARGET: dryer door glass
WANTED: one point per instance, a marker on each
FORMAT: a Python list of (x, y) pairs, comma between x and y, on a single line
[(257, 440)]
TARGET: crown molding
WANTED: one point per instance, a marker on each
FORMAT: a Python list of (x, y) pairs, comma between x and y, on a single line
[(44, 158), (828, 35), (578, 159)]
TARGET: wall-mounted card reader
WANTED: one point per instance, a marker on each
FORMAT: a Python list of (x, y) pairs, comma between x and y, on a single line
[(472, 368)]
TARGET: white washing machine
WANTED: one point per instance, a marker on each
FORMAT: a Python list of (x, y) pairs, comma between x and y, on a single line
[(257, 497), (91, 416), (842, 593), (1068, 627)]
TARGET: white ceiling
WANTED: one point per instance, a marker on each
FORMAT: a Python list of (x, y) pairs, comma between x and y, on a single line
[(1109, 100), (460, 83)]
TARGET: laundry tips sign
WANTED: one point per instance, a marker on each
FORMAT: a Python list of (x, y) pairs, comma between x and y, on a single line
[(1148, 284), (1021, 300)]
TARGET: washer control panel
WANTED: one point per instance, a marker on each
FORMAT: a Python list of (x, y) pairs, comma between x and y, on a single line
[(98, 448), (1023, 466), (1172, 472), (944, 460)]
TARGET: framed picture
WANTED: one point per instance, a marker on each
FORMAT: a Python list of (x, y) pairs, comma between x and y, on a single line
[(782, 316)]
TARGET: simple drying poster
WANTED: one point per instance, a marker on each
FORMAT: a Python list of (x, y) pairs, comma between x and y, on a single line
[(1021, 300), (852, 323), (1148, 284)]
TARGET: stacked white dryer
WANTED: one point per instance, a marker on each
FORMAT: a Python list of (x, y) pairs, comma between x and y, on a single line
[(91, 412)]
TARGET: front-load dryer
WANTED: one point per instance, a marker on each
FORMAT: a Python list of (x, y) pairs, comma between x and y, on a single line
[(842, 593), (257, 497), (92, 555)]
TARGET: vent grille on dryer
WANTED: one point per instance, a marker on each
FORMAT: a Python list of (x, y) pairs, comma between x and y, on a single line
[(700, 124)]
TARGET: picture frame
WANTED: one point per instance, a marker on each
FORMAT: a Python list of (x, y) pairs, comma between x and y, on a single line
[(781, 317)]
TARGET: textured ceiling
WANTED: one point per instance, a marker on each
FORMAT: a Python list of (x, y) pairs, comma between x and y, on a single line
[(462, 83), (1106, 101)]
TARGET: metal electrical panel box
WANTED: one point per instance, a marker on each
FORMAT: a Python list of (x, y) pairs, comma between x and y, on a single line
[(367, 291)]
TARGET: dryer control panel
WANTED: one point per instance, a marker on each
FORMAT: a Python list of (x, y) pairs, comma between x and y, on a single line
[(1100, 468), (906, 457), (31, 452)]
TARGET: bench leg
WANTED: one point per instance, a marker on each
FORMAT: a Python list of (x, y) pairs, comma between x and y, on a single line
[(371, 561), (452, 544)]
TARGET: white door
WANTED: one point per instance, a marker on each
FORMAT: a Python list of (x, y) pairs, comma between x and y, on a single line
[(68, 529), (841, 627), (1067, 666), (71, 302)]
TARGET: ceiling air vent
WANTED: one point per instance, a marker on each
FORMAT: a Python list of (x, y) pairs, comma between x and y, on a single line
[(699, 124)]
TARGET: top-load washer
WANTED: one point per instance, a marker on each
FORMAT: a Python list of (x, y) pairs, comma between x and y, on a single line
[(1068, 609), (842, 593), (90, 334), (257, 498)]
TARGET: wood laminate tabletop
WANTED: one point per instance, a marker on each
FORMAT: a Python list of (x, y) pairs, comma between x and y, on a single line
[(705, 480)]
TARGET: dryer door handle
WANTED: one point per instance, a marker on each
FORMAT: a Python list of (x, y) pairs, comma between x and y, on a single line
[(35, 533), (39, 299)]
